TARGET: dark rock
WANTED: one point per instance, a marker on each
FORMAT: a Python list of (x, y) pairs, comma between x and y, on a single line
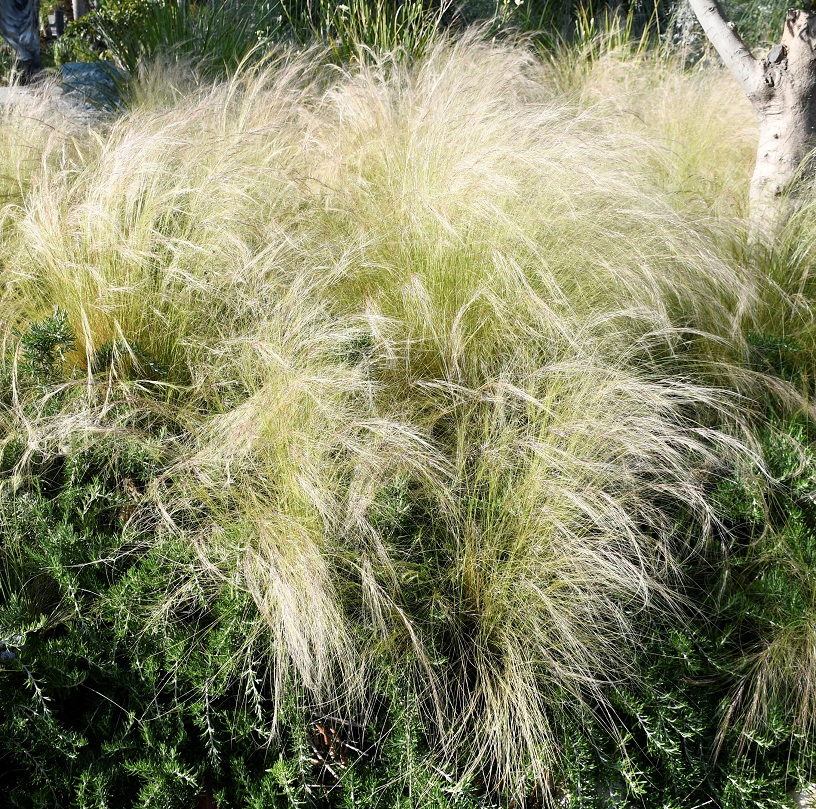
[(100, 84)]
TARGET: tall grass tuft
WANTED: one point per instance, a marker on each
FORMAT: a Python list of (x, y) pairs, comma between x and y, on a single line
[(446, 366)]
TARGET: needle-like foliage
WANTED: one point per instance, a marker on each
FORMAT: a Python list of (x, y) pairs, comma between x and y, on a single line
[(446, 367)]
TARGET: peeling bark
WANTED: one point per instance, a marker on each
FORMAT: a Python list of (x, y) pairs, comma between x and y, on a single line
[(782, 89), (785, 103), (20, 27)]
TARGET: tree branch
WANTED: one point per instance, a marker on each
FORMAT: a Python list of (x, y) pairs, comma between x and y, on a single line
[(723, 35)]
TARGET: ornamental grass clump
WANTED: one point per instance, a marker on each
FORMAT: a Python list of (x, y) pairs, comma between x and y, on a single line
[(443, 372), (32, 136)]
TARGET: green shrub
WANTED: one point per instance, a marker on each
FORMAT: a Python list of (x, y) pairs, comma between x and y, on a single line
[(215, 37)]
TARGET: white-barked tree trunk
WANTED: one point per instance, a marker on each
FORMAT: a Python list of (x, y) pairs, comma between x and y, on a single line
[(782, 89)]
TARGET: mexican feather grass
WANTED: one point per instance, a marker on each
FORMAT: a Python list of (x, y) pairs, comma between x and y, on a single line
[(447, 361)]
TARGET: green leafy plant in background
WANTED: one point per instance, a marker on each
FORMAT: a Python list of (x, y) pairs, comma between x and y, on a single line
[(378, 26), (216, 37), (219, 36), (760, 24), (761, 21)]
